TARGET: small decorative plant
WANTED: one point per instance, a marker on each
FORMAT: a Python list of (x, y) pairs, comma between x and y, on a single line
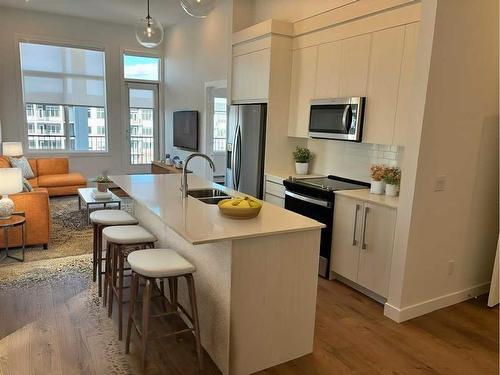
[(102, 183), (377, 172), (392, 176), (302, 157)]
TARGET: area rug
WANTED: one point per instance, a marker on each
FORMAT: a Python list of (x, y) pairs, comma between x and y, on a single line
[(70, 233)]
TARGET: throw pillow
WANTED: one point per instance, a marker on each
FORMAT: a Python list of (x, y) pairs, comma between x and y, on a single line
[(27, 186), (23, 163)]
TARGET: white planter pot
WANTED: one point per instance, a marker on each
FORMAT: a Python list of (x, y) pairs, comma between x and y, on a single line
[(391, 190), (377, 187), (301, 168)]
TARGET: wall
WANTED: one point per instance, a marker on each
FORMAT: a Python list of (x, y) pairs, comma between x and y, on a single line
[(113, 37), (196, 51), (445, 240), (295, 10)]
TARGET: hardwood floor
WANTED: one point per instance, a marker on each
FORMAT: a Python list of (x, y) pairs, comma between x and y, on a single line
[(57, 329)]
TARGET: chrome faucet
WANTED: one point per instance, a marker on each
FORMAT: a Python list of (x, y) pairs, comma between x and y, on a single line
[(184, 183)]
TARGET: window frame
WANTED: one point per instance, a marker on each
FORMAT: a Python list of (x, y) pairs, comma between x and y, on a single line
[(68, 44)]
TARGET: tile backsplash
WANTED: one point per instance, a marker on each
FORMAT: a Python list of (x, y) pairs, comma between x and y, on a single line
[(352, 160)]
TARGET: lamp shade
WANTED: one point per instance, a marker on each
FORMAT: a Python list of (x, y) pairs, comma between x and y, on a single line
[(12, 148), (11, 180)]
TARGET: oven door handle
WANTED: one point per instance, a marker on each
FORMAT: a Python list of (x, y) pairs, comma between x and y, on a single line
[(318, 202)]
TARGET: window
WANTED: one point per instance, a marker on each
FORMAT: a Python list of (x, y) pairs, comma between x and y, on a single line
[(220, 124), (143, 68), (64, 95)]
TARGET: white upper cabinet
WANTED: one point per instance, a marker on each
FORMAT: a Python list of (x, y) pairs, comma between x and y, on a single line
[(304, 62), (383, 84), (328, 74), (354, 66), (403, 111), (250, 78)]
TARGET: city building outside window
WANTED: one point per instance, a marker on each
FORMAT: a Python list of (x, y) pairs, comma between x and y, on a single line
[(220, 124)]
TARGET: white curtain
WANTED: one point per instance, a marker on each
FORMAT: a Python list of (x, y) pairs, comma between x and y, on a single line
[(62, 75), (141, 98)]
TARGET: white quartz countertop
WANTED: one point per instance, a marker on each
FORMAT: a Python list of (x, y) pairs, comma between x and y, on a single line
[(364, 195), (198, 222)]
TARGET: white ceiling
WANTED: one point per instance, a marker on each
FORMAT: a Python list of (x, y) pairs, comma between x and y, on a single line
[(168, 12)]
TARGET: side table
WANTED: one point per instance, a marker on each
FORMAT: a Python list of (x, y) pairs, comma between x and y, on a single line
[(15, 220)]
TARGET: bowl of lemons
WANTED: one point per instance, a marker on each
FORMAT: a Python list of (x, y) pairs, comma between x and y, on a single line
[(240, 207)]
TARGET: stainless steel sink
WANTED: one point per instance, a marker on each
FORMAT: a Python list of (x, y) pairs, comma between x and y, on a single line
[(208, 196)]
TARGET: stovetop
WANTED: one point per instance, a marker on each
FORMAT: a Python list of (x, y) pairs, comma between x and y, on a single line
[(323, 187)]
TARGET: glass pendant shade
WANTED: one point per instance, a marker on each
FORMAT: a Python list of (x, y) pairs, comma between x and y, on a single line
[(149, 32), (198, 8)]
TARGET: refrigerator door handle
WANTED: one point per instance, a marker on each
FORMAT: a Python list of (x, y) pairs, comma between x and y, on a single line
[(237, 158)]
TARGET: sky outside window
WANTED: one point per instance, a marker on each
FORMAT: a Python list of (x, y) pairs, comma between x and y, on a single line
[(141, 67)]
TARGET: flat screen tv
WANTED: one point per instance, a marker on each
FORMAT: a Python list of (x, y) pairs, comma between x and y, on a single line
[(186, 130)]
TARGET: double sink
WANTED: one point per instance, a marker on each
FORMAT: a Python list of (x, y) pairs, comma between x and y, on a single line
[(208, 196)]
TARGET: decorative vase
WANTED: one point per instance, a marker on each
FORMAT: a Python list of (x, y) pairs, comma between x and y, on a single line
[(391, 190), (301, 168), (102, 187), (377, 187), (6, 207)]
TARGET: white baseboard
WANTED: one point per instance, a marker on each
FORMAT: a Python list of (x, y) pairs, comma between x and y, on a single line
[(402, 314)]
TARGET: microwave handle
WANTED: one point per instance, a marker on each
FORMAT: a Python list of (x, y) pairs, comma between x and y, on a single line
[(344, 118)]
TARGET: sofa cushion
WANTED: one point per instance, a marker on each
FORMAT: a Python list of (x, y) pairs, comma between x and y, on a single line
[(33, 166), (52, 166), (4, 162), (25, 166), (33, 182), (56, 180)]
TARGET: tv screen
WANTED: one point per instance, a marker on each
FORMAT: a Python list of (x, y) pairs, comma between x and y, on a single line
[(186, 130)]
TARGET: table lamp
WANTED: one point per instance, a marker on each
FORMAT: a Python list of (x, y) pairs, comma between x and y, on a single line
[(11, 182), (12, 148)]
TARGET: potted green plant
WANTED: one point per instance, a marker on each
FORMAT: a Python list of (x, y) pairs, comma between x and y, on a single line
[(302, 157), (377, 174), (103, 183), (392, 178)]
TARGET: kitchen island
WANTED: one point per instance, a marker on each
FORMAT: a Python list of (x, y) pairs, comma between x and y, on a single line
[(256, 279)]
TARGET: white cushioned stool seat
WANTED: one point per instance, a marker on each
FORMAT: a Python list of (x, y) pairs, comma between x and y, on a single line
[(127, 235), (159, 263), (112, 217)]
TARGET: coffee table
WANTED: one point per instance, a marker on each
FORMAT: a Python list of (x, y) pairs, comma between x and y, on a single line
[(85, 197)]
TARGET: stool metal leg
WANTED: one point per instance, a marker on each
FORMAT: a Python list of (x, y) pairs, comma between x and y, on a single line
[(194, 309), (99, 258), (121, 266), (145, 319), (107, 274), (94, 254), (134, 289), (112, 280), (172, 286)]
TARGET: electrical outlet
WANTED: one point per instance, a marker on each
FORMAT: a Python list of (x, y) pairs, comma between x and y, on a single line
[(440, 183), (451, 267)]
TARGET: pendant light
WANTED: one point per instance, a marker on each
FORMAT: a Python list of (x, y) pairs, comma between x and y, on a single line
[(198, 8), (149, 32)]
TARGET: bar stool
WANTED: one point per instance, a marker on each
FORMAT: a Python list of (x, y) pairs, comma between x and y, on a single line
[(101, 219), (152, 265), (121, 240)]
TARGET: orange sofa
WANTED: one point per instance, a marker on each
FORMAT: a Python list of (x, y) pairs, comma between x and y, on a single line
[(52, 174), (35, 205)]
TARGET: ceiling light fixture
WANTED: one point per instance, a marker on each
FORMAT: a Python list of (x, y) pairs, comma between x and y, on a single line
[(198, 8), (149, 32)]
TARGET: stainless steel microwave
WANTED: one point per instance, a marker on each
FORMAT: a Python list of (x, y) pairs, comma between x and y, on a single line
[(340, 119)]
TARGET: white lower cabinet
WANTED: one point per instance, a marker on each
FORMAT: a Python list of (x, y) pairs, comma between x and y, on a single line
[(363, 238), (274, 191)]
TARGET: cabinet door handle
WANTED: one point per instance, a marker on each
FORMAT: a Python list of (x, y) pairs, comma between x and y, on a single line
[(364, 245), (354, 240)]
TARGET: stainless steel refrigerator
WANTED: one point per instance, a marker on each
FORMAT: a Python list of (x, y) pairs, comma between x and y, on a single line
[(246, 137)]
